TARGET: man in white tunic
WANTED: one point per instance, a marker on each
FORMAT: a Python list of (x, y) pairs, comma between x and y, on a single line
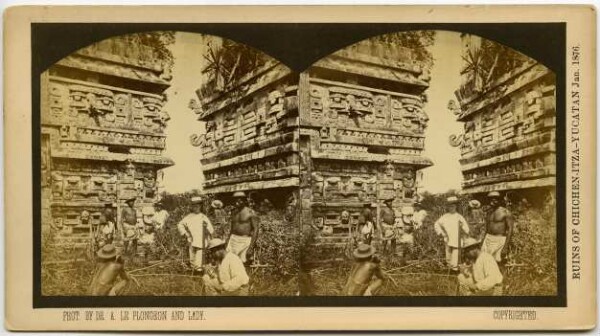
[(452, 226), (160, 216), (197, 229), (230, 278), (484, 277)]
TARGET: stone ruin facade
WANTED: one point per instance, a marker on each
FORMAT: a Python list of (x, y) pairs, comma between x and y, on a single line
[(102, 134), (509, 139), (347, 132)]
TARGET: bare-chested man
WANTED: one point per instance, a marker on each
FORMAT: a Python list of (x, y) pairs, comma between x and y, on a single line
[(499, 228), (110, 269), (244, 228), (366, 266)]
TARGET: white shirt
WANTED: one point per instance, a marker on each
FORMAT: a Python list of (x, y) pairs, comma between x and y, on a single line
[(419, 217), (193, 225), (448, 225), (486, 272), (161, 218), (232, 273)]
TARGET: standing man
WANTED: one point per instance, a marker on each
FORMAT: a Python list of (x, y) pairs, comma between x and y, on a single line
[(110, 268), (365, 227), (160, 215), (484, 277), (244, 228), (476, 220), (366, 267), (419, 215), (105, 233), (388, 219), (230, 278), (129, 230), (451, 226), (197, 229), (499, 228)]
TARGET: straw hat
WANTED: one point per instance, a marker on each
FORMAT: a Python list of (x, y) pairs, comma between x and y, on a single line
[(239, 194), (363, 251), (452, 200), (470, 243), (216, 204), (107, 251), (407, 211), (215, 242), (475, 204), (196, 199), (131, 199), (148, 211), (493, 194)]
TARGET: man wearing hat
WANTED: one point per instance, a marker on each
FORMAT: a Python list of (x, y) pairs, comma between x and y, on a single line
[(160, 215), (452, 226), (484, 276), (365, 227), (499, 228), (230, 278), (476, 219), (105, 232), (419, 215), (129, 231), (218, 213), (365, 267), (110, 268), (244, 228), (388, 219), (197, 229)]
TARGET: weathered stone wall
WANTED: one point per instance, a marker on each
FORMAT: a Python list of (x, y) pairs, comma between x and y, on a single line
[(365, 123), (348, 131), (509, 132), (251, 139), (103, 133)]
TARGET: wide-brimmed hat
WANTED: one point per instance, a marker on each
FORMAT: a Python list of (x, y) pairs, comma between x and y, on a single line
[(470, 243), (107, 251), (148, 211), (407, 211), (389, 199), (363, 251), (216, 204), (196, 199), (475, 204), (239, 194), (131, 199), (493, 194), (215, 242), (452, 200)]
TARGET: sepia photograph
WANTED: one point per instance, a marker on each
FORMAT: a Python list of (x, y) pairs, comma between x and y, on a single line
[(413, 163), (300, 168)]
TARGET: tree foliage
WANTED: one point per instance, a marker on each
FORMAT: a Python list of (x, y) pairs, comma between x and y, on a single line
[(418, 41), (486, 63), (227, 63)]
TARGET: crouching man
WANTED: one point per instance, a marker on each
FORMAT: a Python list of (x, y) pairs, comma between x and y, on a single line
[(483, 277), (365, 268), (111, 268), (230, 277)]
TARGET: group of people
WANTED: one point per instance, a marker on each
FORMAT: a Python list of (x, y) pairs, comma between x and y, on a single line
[(475, 250), (221, 261), (137, 234), (226, 275)]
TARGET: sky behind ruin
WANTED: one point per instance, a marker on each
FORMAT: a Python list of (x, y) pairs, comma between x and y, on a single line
[(186, 174)]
